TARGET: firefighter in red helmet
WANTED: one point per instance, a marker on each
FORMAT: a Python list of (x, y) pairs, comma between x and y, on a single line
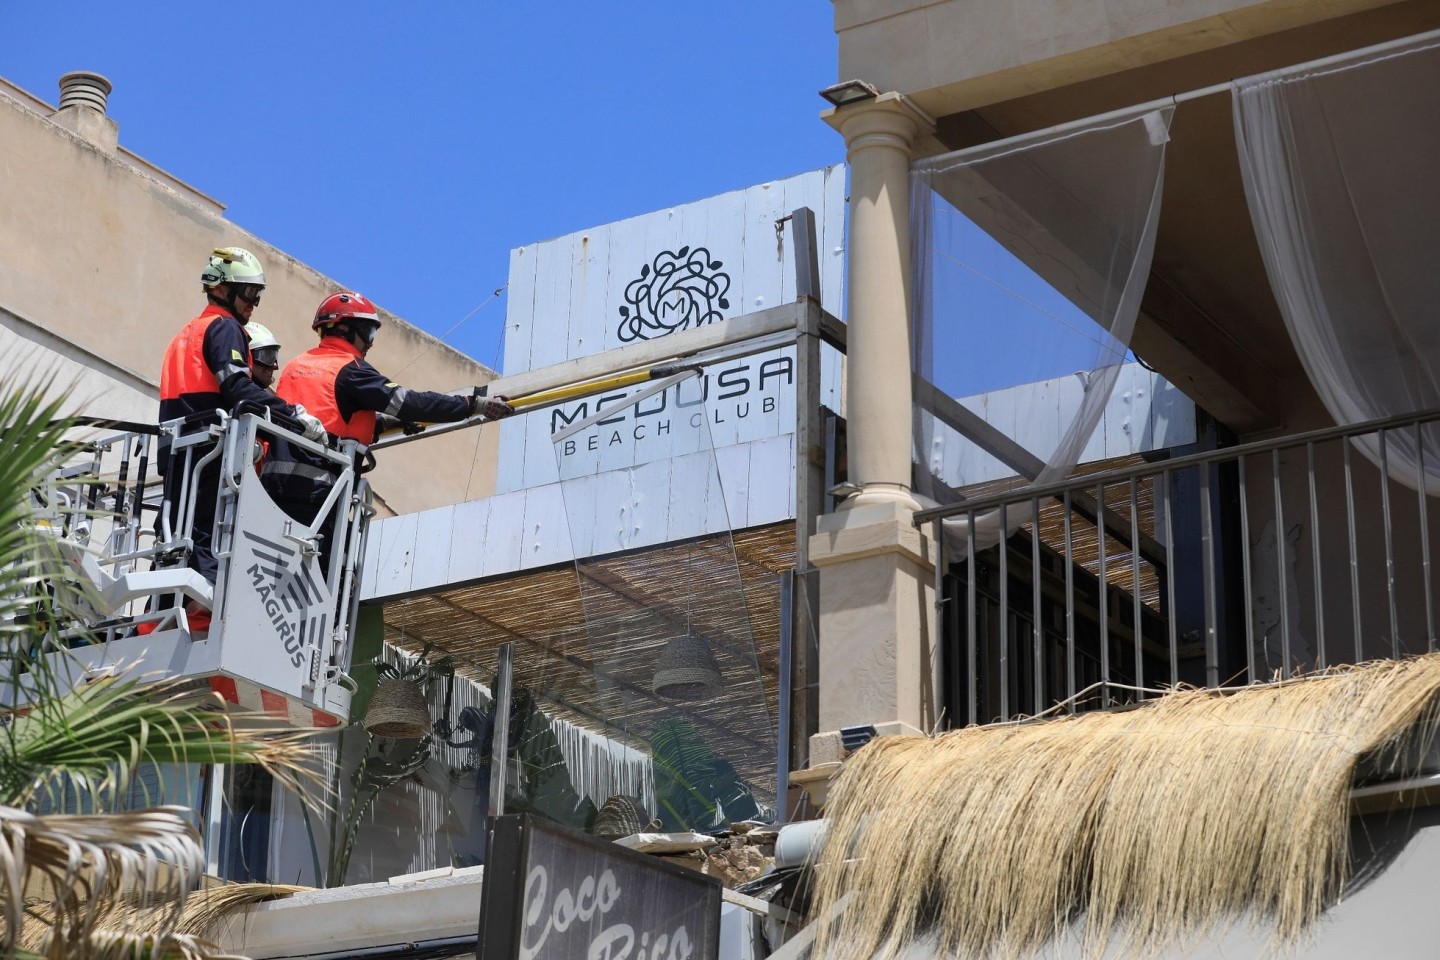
[(333, 382)]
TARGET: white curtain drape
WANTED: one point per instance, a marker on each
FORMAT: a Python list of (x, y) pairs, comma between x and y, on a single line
[(1030, 257), (1341, 163)]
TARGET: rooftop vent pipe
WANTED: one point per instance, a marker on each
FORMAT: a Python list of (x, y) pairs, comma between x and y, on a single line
[(81, 88)]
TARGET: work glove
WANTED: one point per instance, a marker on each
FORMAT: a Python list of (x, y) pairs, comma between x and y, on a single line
[(491, 408), (410, 429), (310, 426)]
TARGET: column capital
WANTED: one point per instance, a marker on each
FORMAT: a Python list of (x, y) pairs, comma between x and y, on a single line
[(889, 119)]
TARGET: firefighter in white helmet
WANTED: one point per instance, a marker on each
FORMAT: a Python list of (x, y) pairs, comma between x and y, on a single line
[(264, 354)]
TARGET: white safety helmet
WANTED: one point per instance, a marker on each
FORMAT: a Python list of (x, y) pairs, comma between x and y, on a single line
[(264, 348)]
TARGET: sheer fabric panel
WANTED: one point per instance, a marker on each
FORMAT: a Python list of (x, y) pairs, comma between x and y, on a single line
[(1340, 169), (1030, 258)]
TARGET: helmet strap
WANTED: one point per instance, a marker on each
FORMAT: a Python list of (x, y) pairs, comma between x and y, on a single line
[(228, 302)]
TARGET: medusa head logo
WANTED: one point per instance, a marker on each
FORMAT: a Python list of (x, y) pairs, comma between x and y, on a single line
[(677, 291)]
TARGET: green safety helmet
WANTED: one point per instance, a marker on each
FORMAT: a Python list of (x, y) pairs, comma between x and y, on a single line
[(232, 265)]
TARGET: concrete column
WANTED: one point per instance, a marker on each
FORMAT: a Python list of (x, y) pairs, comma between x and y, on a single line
[(877, 612), (878, 134)]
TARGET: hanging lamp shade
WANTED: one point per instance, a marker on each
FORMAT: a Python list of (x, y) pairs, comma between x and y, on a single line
[(398, 709), (687, 670)]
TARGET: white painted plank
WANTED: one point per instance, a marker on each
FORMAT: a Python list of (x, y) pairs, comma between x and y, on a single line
[(772, 484), (628, 256), (510, 465), (691, 480), (831, 240), (546, 530), (468, 539), (764, 204), (725, 240), (553, 264), (431, 566), (733, 463), (649, 502), (539, 464), (589, 282), (578, 499), (613, 514), (397, 555), (371, 561), (519, 310), (503, 534)]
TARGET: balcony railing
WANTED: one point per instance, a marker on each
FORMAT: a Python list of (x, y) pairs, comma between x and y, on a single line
[(1230, 566)]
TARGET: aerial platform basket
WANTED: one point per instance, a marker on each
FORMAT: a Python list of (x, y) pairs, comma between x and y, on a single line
[(279, 637)]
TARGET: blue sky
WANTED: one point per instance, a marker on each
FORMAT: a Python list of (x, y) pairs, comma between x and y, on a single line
[(403, 149)]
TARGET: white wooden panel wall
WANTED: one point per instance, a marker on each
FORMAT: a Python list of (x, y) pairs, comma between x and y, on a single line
[(688, 495), (566, 294), (1144, 413), (564, 302)]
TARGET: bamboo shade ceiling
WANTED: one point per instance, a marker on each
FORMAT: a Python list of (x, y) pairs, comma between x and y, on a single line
[(601, 679)]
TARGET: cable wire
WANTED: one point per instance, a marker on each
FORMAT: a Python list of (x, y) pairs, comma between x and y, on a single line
[(456, 326)]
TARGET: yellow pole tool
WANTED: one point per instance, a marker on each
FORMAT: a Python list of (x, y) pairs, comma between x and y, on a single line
[(545, 398)]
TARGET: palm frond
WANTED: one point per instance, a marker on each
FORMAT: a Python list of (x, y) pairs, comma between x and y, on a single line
[(32, 443), (95, 736), (87, 864), (132, 945), (199, 925)]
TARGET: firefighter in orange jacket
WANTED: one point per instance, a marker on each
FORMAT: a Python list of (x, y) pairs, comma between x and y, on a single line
[(350, 398), (207, 368)]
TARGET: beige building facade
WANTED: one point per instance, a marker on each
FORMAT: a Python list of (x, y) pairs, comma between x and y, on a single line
[(950, 74), (100, 257)]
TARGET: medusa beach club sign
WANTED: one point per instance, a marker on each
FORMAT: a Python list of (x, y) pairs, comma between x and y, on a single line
[(642, 279), (678, 291)]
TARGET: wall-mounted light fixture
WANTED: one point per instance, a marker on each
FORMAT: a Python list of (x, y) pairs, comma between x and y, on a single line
[(851, 91), (853, 738)]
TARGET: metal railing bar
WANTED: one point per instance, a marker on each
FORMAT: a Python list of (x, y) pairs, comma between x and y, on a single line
[(1122, 474), (1070, 605), (1172, 620), (1135, 584), (1281, 585), (1104, 599), (971, 655), (1037, 639), (939, 638), (1354, 554), (1004, 619), (1389, 547), (1207, 560), (1247, 580), (1316, 566), (1424, 539)]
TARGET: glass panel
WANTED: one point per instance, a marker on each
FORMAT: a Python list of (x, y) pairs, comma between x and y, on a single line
[(1029, 263), (662, 702)]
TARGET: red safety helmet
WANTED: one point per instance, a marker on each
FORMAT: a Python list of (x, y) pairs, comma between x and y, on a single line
[(339, 307)]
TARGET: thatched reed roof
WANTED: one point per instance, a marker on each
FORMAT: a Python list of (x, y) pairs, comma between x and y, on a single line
[(598, 672), (1140, 829)]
